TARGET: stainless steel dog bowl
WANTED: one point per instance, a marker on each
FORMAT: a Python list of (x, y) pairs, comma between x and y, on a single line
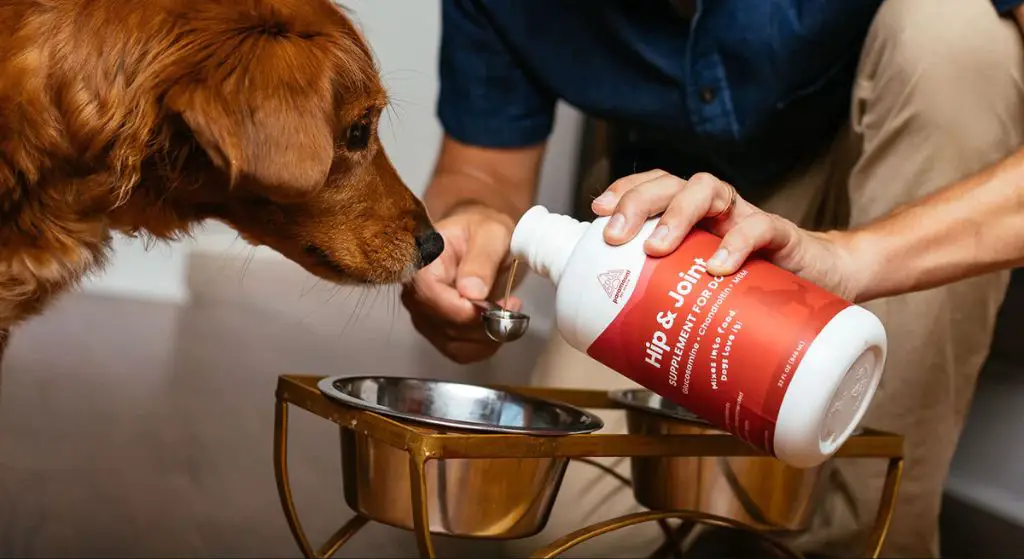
[(474, 498), (759, 491)]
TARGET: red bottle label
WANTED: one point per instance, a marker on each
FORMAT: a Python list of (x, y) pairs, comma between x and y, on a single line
[(724, 348)]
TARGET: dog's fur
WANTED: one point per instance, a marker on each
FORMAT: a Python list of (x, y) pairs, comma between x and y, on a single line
[(149, 117)]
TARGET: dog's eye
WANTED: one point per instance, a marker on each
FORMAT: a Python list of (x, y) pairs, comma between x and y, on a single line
[(358, 136)]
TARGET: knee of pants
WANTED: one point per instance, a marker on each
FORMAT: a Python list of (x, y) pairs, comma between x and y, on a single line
[(947, 67)]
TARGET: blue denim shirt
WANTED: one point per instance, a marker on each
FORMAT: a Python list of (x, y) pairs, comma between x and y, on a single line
[(744, 89)]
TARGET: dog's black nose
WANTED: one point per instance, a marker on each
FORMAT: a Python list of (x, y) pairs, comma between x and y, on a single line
[(430, 245)]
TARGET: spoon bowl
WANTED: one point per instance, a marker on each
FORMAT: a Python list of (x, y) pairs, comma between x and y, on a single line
[(503, 325)]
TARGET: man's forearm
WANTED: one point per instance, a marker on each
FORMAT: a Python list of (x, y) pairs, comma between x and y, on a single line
[(502, 180), (968, 229)]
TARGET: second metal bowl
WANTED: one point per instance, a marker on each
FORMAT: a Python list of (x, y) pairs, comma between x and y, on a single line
[(759, 491)]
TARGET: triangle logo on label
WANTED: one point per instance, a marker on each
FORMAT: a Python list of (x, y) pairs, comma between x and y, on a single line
[(610, 281)]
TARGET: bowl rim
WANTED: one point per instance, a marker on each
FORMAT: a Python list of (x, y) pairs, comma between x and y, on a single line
[(621, 397), (586, 422)]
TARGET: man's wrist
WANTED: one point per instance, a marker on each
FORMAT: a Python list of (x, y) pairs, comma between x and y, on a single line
[(479, 209), (450, 195), (864, 261)]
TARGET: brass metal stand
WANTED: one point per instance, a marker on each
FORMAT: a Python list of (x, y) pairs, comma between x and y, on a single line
[(423, 446)]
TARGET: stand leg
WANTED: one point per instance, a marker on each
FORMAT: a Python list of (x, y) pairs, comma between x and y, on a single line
[(673, 541), (886, 506), (341, 537), (284, 489), (420, 513), (570, 541)]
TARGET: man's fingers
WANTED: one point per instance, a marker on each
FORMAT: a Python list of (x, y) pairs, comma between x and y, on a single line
[(639, 204), (433, 328), (705, 198), (605, 203), (485, 252), (757, 231), (462, 344), (433, 297), (465, 353), (687, 208)]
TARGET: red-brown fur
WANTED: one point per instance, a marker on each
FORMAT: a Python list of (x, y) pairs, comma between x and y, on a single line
[(149, 117)]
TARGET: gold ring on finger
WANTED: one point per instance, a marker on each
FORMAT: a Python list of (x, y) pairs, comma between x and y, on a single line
[(730, 205)]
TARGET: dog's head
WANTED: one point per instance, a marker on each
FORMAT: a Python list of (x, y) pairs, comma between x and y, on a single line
[(275, 106)]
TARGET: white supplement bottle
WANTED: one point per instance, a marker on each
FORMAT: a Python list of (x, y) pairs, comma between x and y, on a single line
[(763, 354)]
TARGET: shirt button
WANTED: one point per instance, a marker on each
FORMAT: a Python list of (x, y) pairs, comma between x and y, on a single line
[(707, 95)]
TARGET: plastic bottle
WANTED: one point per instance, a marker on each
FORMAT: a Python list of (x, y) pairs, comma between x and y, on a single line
[(762, 354)]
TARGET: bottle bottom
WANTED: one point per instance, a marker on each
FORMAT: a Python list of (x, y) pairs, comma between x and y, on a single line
[(848, 402), (831, 389)]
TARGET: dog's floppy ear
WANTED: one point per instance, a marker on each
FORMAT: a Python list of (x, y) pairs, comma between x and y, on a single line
[(279, 142)]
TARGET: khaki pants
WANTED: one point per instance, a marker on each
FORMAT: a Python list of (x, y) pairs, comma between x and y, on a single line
[(939, 95)]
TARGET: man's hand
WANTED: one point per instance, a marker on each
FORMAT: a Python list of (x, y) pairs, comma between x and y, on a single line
[(439, 299), (475, 196), (823, 258)]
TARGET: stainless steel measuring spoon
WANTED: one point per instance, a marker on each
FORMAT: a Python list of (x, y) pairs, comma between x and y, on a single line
[(502, 325)]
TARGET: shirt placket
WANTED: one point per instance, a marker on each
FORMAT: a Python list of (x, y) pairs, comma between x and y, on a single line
[(707, 93)]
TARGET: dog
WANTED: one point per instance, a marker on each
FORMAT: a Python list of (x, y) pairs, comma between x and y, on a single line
[(149, 118)]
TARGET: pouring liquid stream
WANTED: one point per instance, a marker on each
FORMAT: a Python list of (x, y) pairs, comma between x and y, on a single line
[(508, 286)]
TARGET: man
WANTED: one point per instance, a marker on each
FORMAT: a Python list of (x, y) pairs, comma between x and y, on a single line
[(829, 114)]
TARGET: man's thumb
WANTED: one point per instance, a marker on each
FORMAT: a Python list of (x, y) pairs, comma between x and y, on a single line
[(485, 252)]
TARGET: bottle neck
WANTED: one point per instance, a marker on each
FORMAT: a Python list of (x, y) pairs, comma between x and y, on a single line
[(544, 241)]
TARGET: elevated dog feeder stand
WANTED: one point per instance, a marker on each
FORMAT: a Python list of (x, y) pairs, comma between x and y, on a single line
[(422, 446)]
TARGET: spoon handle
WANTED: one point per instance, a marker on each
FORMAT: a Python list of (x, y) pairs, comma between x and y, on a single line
[(485, 305)]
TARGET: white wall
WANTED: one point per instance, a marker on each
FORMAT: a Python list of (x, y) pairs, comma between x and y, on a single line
[(404, 36), (156, 274)]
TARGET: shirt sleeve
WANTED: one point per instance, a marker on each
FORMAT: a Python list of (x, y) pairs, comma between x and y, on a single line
[(487, 98), (1004, 6)]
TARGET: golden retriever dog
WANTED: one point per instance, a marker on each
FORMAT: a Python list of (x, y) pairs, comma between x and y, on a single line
[(150, 117)]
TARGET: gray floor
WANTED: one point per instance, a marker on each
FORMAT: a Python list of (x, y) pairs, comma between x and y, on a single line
[(144, 430)]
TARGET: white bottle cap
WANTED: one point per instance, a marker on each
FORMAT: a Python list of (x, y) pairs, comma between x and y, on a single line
[(544, 241)]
